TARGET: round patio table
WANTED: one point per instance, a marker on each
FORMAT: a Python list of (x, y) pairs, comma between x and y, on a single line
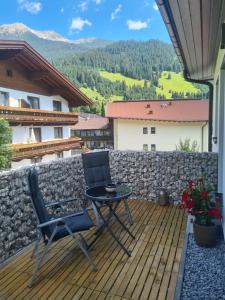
[(100, 199)]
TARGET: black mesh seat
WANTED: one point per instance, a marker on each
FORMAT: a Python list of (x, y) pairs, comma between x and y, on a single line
[(97, 173), (53, 229)]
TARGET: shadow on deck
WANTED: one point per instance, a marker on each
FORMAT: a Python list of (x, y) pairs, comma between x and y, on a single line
[(150, 273)]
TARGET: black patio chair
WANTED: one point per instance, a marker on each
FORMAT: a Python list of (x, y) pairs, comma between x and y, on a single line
[(53, 229), (97, 173)]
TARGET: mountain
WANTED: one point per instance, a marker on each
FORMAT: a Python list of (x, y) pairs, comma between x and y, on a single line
[(107, 70), (51, 44)]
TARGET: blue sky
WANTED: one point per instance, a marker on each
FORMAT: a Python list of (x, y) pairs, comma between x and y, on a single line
[(75, 19)]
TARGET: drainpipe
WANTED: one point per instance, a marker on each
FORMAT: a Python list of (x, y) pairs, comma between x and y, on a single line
[(203, 126), (210, 85)]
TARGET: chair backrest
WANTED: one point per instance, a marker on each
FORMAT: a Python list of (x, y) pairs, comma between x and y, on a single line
[(96, 168), (38, 201)]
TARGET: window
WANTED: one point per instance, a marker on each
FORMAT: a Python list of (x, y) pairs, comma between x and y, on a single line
[(58, 132), (145, 147), (4, 98), (35, 135), (34, 102), (24, 103), (59, 155), (9, 73), (36, 160), (153, 147), (152, 130), (57, 105), (145, 130)]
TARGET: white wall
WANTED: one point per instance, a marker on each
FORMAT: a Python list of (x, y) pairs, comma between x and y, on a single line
[(21, 133), (46, 102), (128, 134)]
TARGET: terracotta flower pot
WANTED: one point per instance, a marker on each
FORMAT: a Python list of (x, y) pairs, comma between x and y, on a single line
[(205, 236)]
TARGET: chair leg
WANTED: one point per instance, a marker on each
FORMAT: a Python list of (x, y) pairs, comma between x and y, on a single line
[(128, 212), (83, 248), (40, 258), (36, 246), (97, 217)]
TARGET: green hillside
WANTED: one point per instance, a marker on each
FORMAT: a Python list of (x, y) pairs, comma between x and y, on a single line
[(171, 85), (119, 77)]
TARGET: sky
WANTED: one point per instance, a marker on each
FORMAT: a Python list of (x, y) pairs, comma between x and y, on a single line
[(76, 19)]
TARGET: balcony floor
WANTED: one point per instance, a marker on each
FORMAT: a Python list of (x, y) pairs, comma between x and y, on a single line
[(150, 273)]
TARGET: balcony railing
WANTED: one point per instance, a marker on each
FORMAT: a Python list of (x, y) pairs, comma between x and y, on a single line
[(28, 116), (23, 151)]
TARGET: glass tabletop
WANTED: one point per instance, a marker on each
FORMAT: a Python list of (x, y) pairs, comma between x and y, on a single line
[(100, 194)]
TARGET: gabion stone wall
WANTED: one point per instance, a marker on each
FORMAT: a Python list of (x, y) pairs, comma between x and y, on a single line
[(146, 172)]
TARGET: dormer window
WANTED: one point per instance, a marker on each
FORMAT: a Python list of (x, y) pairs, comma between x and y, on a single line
[(57, 105)]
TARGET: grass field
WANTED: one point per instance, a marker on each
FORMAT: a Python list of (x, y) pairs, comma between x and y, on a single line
[(119, 77), (92, 94), (175, 84)]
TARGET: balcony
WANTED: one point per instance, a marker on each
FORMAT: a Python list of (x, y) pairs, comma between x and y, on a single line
[(152, 270), (23, 151), (26, 116)]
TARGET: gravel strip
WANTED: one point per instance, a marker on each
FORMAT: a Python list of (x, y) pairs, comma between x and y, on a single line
[(204, 273)]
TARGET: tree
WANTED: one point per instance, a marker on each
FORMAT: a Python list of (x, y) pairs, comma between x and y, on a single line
[(102, 109), (6, 150), (187, 145)]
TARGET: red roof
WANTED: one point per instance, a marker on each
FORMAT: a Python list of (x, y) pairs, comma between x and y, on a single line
[(157, 110), (93, 123)]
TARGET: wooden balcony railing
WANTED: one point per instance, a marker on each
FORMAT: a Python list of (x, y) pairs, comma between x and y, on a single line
[(23, 151), (28, 116)]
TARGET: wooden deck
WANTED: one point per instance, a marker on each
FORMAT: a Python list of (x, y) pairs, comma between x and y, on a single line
[(150, 273)]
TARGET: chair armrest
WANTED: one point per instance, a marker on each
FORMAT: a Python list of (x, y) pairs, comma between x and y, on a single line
[(59, 203), (57, 220)]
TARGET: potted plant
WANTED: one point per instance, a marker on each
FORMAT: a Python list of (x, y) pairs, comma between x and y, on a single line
[(196, 198)]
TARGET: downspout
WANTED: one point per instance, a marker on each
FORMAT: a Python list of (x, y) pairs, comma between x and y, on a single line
[(210, 85), (202, 130)]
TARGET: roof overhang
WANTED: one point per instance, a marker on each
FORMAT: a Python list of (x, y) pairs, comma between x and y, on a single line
[(40, 70), (195, 29)]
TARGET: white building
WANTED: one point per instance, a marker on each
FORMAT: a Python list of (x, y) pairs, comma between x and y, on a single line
[(36, 100), (158, 125)]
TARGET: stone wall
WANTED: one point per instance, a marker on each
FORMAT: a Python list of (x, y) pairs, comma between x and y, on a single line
[(146, 172)]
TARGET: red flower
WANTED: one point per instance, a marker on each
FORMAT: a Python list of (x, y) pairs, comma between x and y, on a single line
[(204, 194), (190, 184), (185, 197), (214, 213)]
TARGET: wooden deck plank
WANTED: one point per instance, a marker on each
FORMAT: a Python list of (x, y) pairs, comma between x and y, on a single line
[(150, 273)]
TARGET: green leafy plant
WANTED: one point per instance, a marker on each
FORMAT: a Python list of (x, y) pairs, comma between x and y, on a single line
[(6, 151), (198, 202), (187, 145)]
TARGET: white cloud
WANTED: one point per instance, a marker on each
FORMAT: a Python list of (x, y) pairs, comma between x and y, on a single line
[(33, 7), (155, 6), (98, 1), (78, 24), (62, 10), (146, 3), (83, 5), (137, 25), (115, 13)]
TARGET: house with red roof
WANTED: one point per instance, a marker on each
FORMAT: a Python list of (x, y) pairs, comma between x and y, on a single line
[(95, 131), (158, 125)]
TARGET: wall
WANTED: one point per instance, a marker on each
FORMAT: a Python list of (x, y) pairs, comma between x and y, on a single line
[(219, 122), (128, 134), (46, 102), (146, 172)]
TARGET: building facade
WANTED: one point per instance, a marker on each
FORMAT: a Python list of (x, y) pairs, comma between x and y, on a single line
[(159, 125), (36, 99), (95, 132), (197, 32)]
